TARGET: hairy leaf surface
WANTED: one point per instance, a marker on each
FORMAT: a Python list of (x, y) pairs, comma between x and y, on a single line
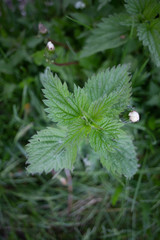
[(149, 34), (123, 160), (81, 98), (112, 84), (60, 102), (147, 9), (110, 33), (102, 137), (47, 151)]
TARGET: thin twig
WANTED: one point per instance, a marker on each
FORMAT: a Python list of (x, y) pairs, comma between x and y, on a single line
[(66, 64), (59, 44)]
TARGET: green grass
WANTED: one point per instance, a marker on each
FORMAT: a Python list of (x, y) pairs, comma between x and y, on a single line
[(97, 205)]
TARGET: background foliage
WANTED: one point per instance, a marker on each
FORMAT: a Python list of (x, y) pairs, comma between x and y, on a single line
[(90, 204)]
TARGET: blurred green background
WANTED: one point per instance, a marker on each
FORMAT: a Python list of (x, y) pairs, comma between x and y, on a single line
[(88, 203)]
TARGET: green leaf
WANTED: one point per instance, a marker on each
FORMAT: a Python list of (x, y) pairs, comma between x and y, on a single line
[(103, 107), (47, 150), (81, 98), (123, 160), (149, 34), (112, 84), (61, 105), (102, 137), (146, 9), (110, 33), (78, 131), (39, 58), (116, 195)]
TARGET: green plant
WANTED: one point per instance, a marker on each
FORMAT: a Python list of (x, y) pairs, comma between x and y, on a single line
[(90, 203), (91, 112), (141, 18)]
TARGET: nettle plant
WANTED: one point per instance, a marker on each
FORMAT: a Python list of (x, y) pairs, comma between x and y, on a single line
[(141, 18), (89, 114)]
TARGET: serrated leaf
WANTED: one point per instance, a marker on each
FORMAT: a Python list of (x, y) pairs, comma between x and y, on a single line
[(115, 81), (77, 131), (146, 9), (123, 160), (60, 102), (102, 137), (47, 151), (136, 7), (81, 98), (110, 33), (149, 34), (104, 106)]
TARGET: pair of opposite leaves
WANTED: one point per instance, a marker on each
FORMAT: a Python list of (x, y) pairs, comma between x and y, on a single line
[(90, 113)]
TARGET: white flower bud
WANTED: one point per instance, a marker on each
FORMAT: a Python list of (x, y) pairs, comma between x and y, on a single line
[(80, 5), (63, 181), (134, 116), (42, 28), (50, 46)]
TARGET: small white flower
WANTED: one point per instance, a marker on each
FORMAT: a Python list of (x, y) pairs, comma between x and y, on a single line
[(80, 5), (50, 46), (134, 116)]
